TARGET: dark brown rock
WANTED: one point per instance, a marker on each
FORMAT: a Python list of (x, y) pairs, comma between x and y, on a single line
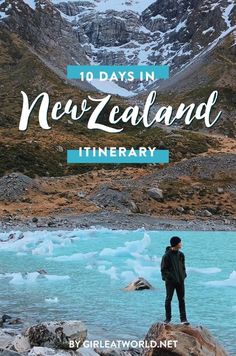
[(138, 284), (56, 334), (191, 340)]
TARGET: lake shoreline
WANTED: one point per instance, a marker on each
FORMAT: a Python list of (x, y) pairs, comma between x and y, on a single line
[(116, 221)]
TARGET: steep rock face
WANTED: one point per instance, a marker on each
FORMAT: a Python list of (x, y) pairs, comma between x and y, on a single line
[(108, 32), (112, 32), (167, 32), (40, 24)]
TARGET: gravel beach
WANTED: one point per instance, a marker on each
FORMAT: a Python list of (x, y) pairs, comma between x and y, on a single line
[(117, 221)]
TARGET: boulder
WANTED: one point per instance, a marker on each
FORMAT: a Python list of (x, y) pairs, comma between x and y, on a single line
[(205, 213), (81, 194), (7, 320), (42, 271), (133, 207), (138, 284), (6, 337), (180, 209), (16, 321), (87, 351), (191, 340), (156, 194), (56, 334), (45, 351), (8, 353), (21, 343), (60, 149), (5, 317), (110, 197)]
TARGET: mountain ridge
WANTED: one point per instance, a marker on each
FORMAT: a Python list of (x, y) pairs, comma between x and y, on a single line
[(86, 32)]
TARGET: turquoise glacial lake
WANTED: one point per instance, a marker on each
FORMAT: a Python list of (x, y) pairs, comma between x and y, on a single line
[(87, 269)]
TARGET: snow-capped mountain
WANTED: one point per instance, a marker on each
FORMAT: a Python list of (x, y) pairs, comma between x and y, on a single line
[(125, 32), (137, 6), (165, 32)]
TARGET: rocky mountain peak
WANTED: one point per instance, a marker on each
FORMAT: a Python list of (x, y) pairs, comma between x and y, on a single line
[(161, 32), (129, 32)]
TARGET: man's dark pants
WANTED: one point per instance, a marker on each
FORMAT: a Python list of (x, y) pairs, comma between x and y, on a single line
[(170, 288)]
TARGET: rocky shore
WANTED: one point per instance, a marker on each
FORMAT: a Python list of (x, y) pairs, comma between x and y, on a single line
[(115, 221), (193, 194), (64, 338)]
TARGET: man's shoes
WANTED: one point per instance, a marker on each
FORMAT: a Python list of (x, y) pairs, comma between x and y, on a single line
[(167, 321), (184, 322)]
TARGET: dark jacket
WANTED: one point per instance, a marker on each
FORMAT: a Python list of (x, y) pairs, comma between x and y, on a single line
[(173, 266)]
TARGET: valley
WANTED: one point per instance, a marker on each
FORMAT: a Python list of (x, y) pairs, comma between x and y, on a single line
[(39, 39)]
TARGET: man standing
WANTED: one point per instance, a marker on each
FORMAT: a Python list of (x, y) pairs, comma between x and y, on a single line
[(173, 273)]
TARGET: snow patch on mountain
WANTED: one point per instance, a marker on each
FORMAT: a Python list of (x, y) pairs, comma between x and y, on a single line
[(31, 3), (227, 12), (117, 5), (180, 25), (2, 15), (158, 17), (210, 29), (130, 33)]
